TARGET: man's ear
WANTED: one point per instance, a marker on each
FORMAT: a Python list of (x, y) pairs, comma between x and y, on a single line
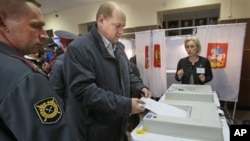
[(100, 18)]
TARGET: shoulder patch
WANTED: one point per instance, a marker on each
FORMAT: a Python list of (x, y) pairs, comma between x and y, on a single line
[(48, 110)]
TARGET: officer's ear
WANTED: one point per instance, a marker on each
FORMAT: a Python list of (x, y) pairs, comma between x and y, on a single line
[(3, 26), (1, 19)]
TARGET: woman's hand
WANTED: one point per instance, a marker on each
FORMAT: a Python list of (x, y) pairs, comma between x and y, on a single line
[(202, 77), (180, 73)]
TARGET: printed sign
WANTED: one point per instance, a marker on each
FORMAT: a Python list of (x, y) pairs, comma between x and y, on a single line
[(217, 54)]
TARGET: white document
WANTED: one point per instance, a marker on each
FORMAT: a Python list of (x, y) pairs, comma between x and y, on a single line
[(163, 108)]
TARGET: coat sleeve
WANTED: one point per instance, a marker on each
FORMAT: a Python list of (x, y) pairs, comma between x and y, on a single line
[(178, 67), (209, 73)]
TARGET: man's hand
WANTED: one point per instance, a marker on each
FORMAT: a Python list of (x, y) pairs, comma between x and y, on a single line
[(146, 92), (136, 108)]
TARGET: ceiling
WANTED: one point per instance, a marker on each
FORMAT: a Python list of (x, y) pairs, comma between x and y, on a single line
[(49, 6)]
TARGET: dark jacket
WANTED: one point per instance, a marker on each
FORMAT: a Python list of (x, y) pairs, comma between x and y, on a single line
[(100, 87), (191, 69), (135, 69), (30, 109), (56, 78)]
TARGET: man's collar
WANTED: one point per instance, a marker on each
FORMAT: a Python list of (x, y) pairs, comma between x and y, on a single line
[(108, 43)]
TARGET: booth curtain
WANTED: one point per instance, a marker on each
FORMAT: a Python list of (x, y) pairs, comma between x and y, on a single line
[(151, 55)]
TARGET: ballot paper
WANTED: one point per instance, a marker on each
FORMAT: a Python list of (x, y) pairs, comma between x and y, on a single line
[(163, 108)]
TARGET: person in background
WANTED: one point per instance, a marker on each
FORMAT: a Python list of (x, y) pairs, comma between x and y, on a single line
[(30, 110), (193, 69), (56, 76), (41, 56), (46, 66), (186, 23), (37, 58), (59, 51), (133, 66), (134, 119), (100, 80), (201, 22)]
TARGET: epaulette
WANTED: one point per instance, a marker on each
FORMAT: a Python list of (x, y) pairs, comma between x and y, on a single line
[(33, 66)]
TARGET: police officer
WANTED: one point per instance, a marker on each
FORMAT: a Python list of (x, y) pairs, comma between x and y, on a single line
[(30, 110), (56, 77)]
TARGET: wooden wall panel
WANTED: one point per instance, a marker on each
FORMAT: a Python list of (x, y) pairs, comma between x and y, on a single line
[(244, 92), (247, 41), (129, 33), (144, 28), (137, 29), (245, 69)]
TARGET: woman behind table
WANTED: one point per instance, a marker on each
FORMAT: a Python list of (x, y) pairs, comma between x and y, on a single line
[(193, 69)]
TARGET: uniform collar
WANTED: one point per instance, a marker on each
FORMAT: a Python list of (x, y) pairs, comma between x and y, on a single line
[(9, 50)]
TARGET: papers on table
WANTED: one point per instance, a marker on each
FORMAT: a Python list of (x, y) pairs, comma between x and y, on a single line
[(163, 108)]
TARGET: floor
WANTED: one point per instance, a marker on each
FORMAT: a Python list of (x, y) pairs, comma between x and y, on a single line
[(240, 117)]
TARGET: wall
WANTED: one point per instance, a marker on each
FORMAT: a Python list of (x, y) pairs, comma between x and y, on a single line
[(141, 12), (235, 9)]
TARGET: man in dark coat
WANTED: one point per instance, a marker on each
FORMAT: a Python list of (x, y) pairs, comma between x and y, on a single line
[(100, 79)]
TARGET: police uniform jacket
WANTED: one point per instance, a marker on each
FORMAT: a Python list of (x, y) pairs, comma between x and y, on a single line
[(190, 69), (30, 109), (101, 85)]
